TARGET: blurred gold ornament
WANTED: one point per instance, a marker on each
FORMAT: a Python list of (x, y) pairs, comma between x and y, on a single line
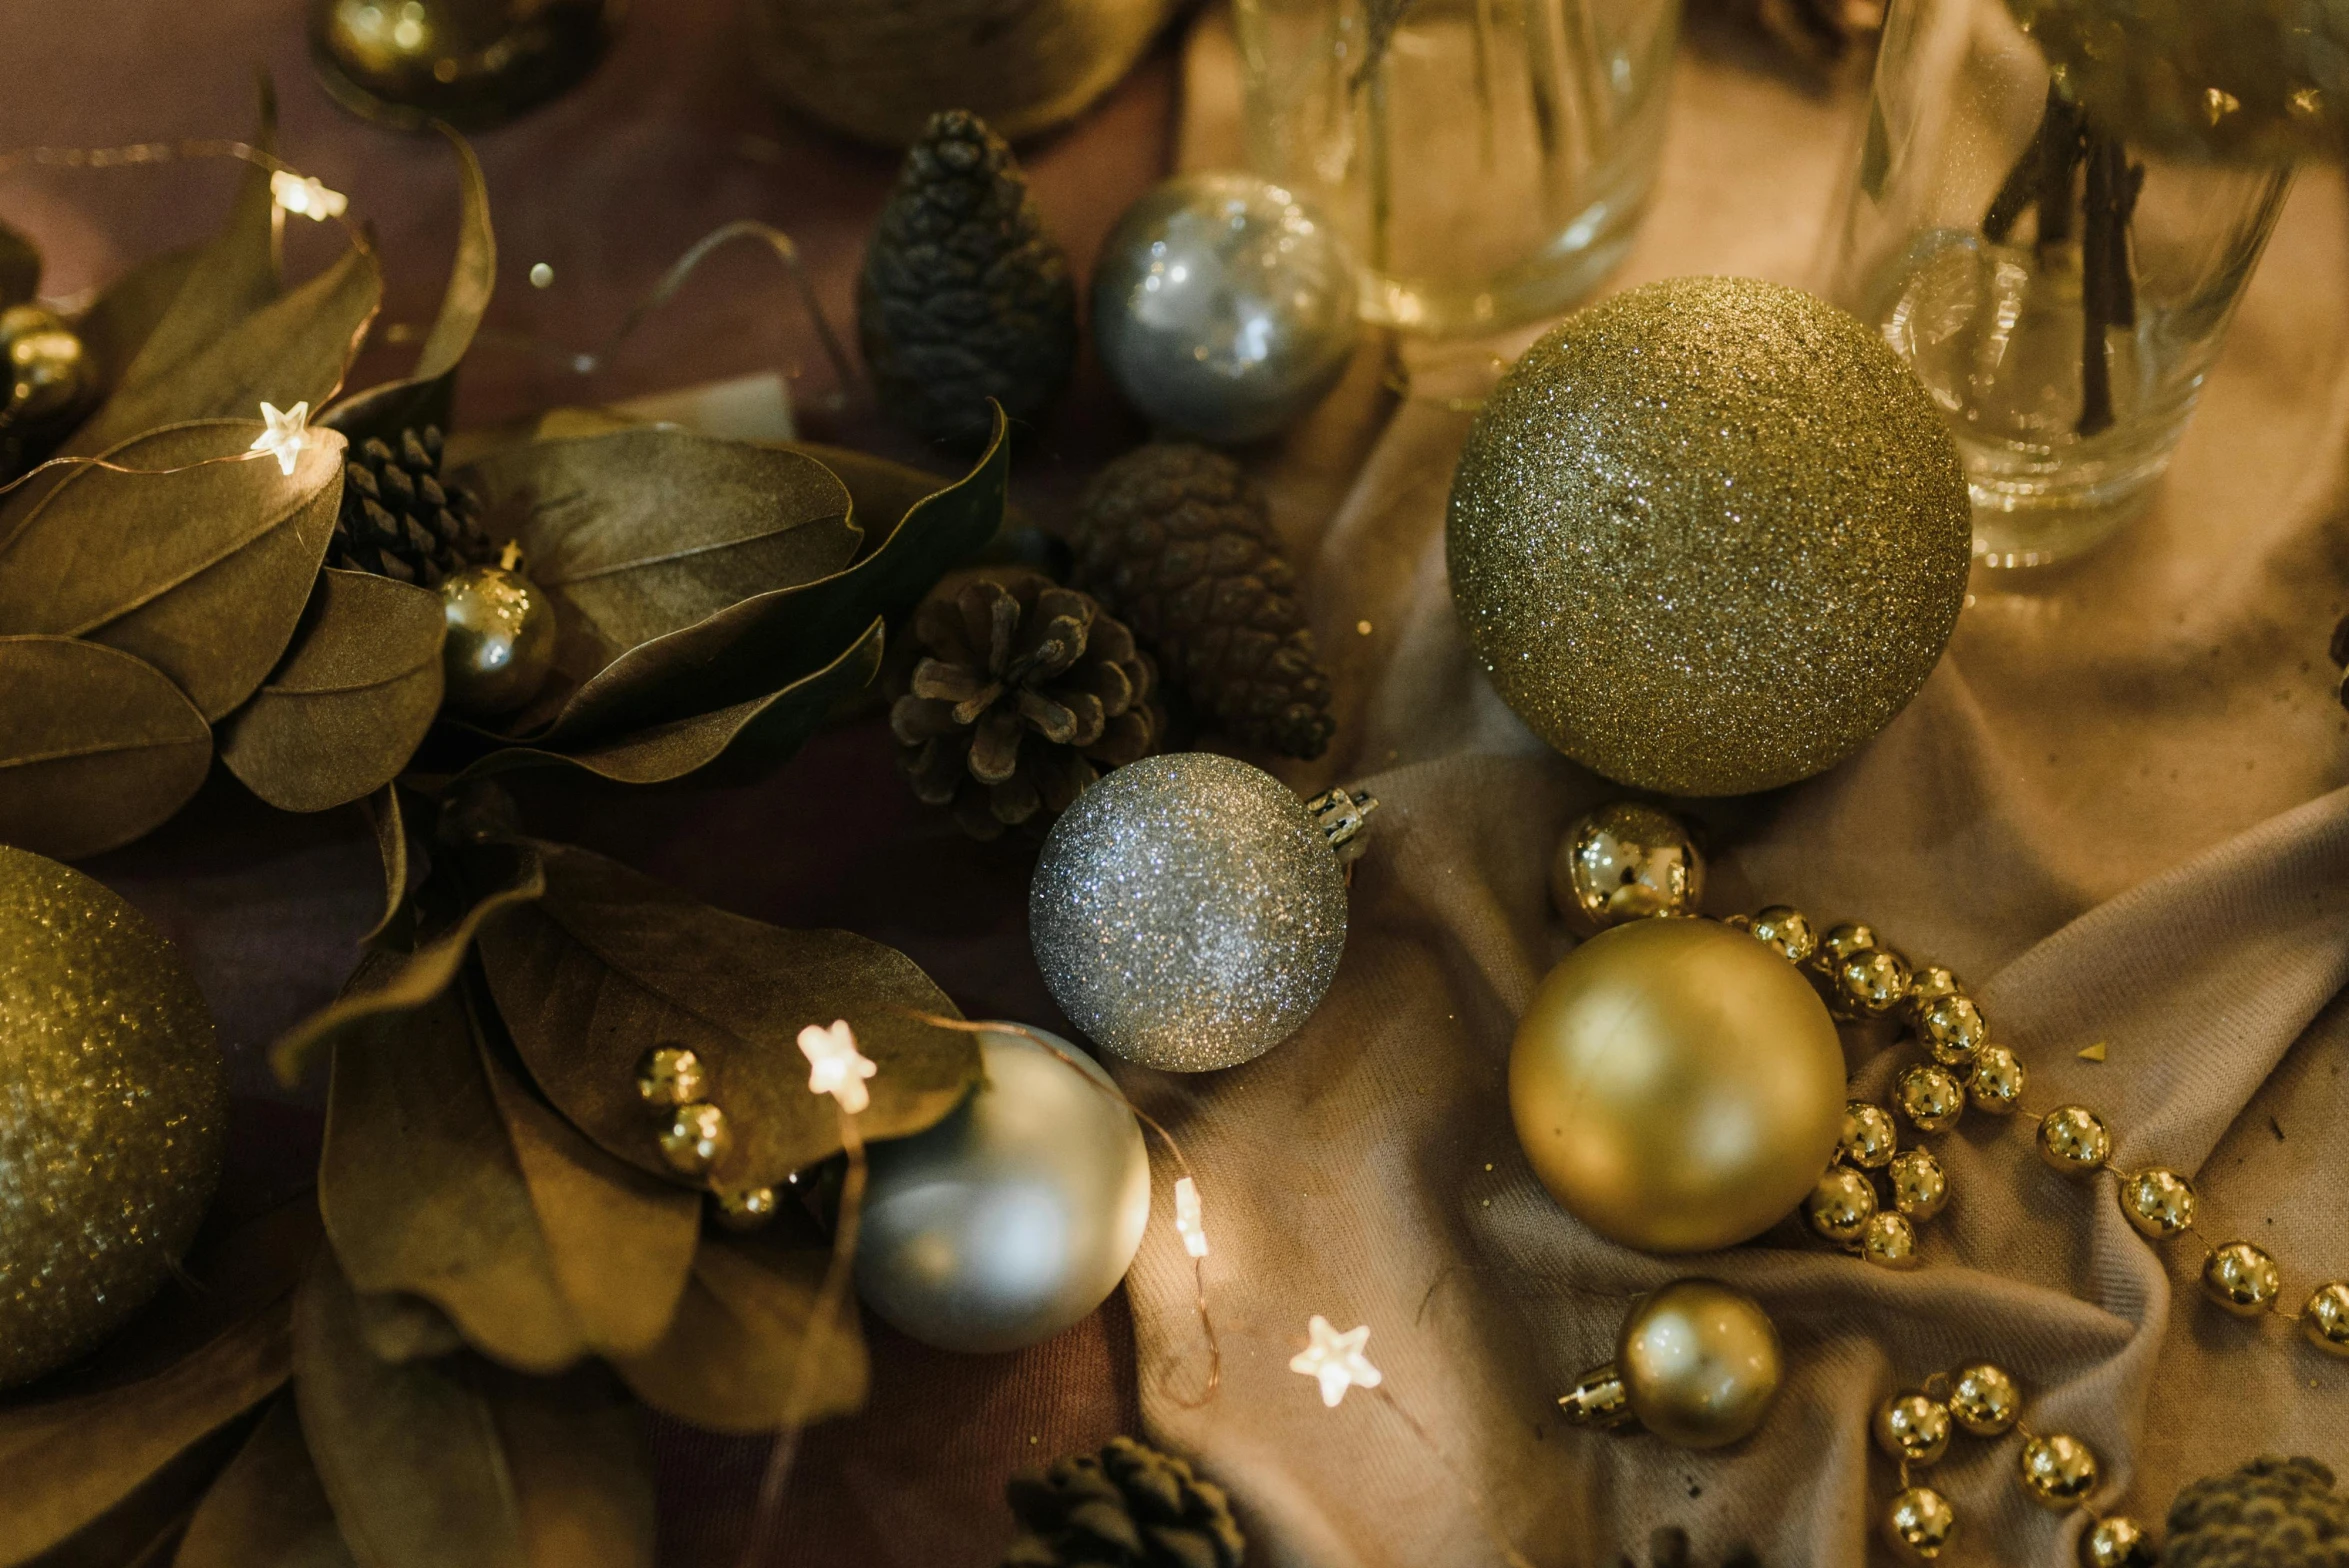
[(2117, 1541), (2241, 1278), (1889, 1240), (1708, 536), (2074, 1140), (1870, 1138), (501, 639), (111, 1118), (1919, 1186), (1912, 1426), (744, 1209), (1952, 1028), (48, 372), (1841, 1203), (472, 63), (1675, 1086), (1919, 1524), (2058, 1470), (1997, 1081), (1984, 1399), (1930, 1097), (1700, 1363), (1625, 861), (669, 1076), (694, 1138), (2325, 1320), (2160, 1203)]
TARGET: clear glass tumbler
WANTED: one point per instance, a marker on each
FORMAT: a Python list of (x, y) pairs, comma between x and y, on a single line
[(1488, 159), (2059, 291)]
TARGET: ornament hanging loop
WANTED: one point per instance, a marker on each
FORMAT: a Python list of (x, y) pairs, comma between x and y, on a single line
[(1341, 814)]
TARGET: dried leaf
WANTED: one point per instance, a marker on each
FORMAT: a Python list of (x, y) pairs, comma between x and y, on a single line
[(732, 1354), (127, 311), (428, 393), (610, 963), (142, 1530), (267, 1510), (390, 827), (400, 1327), (421, 1194), (96, 747), (347, 706), (409, 982), (455, 1464), (202, 573)]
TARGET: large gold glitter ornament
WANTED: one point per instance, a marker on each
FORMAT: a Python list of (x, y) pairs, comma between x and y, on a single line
[(1676, 1085), (112, 1106), (1708, 536)]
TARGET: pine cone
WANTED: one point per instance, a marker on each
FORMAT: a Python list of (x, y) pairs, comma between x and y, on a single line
[(1128, 1507), (1026, 693), (964, 296), (2272, 1513), (1176, 539), (398, 519)]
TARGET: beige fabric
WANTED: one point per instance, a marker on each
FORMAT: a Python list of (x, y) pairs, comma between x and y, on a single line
[(2114, 809)]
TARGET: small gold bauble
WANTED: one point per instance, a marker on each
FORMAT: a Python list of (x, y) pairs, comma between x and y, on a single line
[(1919, 1524), (1700, 1363), (2160, 1203), (2325, 1320), (1841, 1204), (1995, 1085), (744, 1209), (2074, 1140), (1930, 984), (1708, 536), (1889, 1241), (1930, 1097), (1787, 930), (1919, 1185), (2241, 1278), (1870, 1137), (1912, 1426), (1984, 1399), (2117, 1541), (1873, 983), (670, 1075), (472, 63), (1952, 1029), (1624, 862), (2058, 1470), (501, 639), (1843, 943), (47, 371), (694, 1138), (1676, 1087)]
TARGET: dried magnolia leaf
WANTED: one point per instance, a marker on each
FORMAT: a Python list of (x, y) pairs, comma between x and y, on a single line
[(420, 1191), (610, 964), (731, 1357), (267, 1510), (123, 318), (428, 393), (203, 573), (347, 706), (390, 826), (144, 1528), (456, 1464), (401, 1327), (96, 747), (411, 980)]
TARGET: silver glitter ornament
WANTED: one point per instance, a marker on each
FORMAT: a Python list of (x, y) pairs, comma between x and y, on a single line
[(1188, 912), (1222, 307), (1708, 536), (1014, 1217)]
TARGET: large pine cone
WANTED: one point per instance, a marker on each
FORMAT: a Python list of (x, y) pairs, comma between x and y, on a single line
[(1128, 1507), (964, 297), (398, 520), (1177, 540), (2272, 1513), (1025, 694)]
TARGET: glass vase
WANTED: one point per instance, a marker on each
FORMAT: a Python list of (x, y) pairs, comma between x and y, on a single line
[(1487, 159), (2059, 291)]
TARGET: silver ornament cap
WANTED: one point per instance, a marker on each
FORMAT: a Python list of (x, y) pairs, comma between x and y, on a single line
[(1018, 1214), (1188, 912), (1223, 307)]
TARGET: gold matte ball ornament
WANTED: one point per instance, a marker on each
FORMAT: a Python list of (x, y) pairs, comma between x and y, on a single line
[(112, 1117), (1700, 1363), (1676, 1086), (1708, 536)]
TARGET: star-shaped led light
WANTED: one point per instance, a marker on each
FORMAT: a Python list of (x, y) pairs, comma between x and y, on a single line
[(287, 434), (1187, 1226), (1335, 1360), (835, 1066), (306, 196)]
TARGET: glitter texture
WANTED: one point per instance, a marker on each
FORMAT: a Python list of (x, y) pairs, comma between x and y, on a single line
[(1708, 536), (1187, 913), (112, 1107)]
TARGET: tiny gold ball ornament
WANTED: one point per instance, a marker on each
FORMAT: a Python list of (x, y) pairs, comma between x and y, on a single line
[(112, 1117), (1951, 1027), (1708, 536), (1786, 931), (1873, 983), (2325, 1320), (2058, 1470), (2241, 1278), (1919, 1185), (1676, 1086), (2117, 1541), (1889, 1241), (1919, 1524), (2074, 1140), (1931, 1097), (1912, 1426), (1985, 1400), (1870, 1137), (501, 639), (1700, 1363), (2160, 1203), (1841, 1204), (1625, 861), (1996, 1083)]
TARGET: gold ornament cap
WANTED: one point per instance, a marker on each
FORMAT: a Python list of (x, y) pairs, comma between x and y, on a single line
[(1700, 1363)]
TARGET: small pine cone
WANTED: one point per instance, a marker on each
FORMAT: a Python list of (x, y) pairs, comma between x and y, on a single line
[(964, 297), (398, 519), (1025, 694), (2272, 1513), (1177, 540), (1127, 1507)]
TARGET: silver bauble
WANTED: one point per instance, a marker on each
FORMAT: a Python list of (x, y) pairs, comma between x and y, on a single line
[(1014, 1217), (1187, 912), (1223, 308)]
